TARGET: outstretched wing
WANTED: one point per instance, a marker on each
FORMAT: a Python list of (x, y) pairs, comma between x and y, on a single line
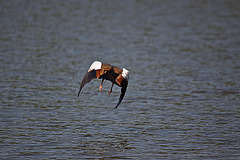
[(87, 78), (123, 91)]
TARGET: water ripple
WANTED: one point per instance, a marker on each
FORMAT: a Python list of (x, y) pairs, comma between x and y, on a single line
[(183, 96)]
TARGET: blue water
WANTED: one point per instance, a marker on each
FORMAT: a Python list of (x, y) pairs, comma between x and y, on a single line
[(184, 91)]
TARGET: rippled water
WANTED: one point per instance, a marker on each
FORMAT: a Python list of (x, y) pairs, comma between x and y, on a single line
[(184, 92)]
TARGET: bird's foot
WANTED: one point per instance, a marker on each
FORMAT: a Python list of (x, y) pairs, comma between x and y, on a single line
[(100, 88), (109, 92)]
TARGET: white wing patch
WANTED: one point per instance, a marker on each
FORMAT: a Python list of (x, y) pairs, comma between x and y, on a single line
[(125, 73), (96, 65)]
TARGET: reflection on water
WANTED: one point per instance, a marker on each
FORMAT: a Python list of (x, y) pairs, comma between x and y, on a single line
[(182, 101)]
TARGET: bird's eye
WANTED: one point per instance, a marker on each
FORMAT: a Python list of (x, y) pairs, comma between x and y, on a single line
[(105, 71)]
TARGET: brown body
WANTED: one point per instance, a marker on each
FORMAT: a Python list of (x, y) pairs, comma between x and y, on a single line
[(108, 72)]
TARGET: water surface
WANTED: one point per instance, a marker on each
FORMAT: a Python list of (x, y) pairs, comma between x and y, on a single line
[(183, 96)]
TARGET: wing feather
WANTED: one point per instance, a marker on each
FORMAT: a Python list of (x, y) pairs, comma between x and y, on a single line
[(87, 78), (123, 91)]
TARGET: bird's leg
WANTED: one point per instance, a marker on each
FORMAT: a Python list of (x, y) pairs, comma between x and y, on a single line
[(110, 89), (101, 85)]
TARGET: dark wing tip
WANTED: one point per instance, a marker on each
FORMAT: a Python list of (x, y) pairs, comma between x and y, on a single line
[(117, 104), (79, 92), (123, 91), (87, 78)]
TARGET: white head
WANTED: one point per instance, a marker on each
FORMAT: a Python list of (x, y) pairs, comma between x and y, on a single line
[(125, 74), (95, 66)]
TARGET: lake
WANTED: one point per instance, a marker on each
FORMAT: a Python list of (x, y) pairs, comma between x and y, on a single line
[(183, 97)]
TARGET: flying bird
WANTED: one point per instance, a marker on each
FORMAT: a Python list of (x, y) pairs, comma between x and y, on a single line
[(106, 71)]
